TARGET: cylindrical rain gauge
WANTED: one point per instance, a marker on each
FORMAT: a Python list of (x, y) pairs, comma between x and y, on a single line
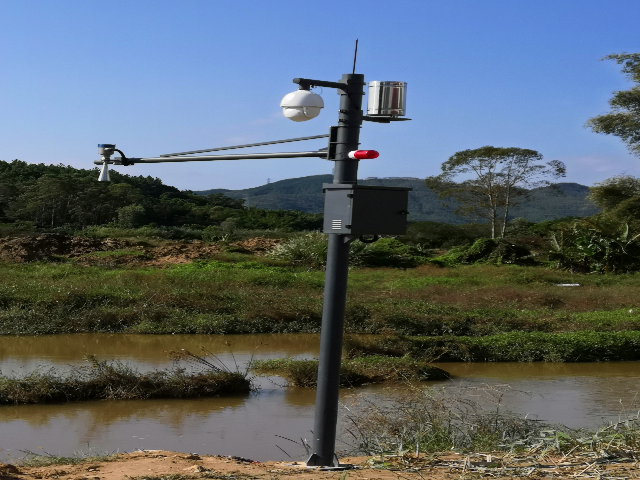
[(387, 99)]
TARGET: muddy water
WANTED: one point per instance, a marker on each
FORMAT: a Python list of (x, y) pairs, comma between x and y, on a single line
[(253, 425)]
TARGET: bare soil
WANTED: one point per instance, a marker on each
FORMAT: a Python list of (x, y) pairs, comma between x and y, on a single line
[(86, 251), (181, 466)]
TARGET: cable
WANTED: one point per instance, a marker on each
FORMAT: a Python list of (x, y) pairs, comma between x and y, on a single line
[(125, 161)]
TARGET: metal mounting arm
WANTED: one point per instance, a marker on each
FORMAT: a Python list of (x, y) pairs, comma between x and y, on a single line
[(208, 158), (307, 83)]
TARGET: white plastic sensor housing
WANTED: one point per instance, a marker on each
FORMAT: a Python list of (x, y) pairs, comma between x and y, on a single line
[(301, 105), (104, 173)]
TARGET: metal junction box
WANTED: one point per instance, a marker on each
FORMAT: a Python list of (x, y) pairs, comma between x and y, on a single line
[(365, 210)]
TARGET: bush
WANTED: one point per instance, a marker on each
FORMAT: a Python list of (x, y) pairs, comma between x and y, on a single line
[(430, 235), (310, 250), (131, 216), (485, 250)]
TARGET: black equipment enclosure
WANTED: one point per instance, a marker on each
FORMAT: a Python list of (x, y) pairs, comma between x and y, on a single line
[(365, 210)]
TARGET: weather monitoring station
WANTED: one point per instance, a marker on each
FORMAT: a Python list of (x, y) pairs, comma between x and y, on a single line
[(351, 212)]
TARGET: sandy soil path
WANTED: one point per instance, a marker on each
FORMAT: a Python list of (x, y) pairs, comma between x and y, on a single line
[(159, 464)]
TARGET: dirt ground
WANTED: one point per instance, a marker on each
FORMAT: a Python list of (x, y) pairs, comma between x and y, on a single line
[(90, 251), (181, 466)]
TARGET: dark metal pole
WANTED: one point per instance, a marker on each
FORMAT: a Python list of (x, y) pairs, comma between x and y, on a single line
[(335, 288)]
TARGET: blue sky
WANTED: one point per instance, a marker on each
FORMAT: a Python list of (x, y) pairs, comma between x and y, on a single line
[(158, 76)]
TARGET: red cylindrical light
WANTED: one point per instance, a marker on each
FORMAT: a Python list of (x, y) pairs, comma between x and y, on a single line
[(363, 154)]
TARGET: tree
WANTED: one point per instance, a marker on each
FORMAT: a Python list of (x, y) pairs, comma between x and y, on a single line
[(624, 119), (500, 176), (618, 197)]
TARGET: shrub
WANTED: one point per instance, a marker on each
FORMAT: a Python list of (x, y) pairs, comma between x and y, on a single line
[(311, 250), (485, 250)]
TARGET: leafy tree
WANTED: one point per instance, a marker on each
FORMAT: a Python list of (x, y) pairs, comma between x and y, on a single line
[(257, 218), (131, 216), (624, 119), (221, 200), (500, 177), (429, 235), (619, 197), (66, 199), (52, 196)]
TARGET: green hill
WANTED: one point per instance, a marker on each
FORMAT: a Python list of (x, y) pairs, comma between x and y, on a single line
[(305, 194)]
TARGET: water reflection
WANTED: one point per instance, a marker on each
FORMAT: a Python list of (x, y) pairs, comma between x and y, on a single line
[(147, 351), (108, 412), (574, 394), (203, 426), (252, 425)]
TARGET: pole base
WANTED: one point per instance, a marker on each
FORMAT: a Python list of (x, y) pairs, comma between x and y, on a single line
[(315, 462)]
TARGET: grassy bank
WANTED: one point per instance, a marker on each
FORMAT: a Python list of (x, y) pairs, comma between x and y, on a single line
[(354, 372), (580, 346), (247, 294), (469, 313), (116, 381)]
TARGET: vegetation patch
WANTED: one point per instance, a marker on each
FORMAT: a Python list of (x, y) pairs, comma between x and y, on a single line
[(437, 420), (102, 380), (353, 372), (252, 294), (582, 346), (32, 459)]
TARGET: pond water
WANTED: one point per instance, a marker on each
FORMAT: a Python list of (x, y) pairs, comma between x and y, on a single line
[(265, 425)]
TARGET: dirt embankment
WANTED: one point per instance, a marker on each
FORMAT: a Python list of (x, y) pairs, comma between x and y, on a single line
[(160, 464), (113, 252)]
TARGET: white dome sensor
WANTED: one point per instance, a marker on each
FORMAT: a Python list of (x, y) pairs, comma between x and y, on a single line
[(301, 105)]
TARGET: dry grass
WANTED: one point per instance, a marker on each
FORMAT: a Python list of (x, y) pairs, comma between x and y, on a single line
[(353, 372), (101, 380), (438, 420)]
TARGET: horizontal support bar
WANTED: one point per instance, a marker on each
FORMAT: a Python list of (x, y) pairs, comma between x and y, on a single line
[(308, 83), (210, 158)]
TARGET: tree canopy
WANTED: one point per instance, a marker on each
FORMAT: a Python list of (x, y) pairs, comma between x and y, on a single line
[(53, 196), (499, 178), (624, 119), (618, 197)]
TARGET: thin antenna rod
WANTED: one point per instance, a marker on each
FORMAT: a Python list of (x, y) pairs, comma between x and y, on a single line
[(244, 146), (355, 56)]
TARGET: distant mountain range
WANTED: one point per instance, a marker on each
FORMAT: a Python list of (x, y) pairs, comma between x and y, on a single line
[(305, 194)]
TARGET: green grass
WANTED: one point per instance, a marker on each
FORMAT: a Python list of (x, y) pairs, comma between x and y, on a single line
[(237, 293), (353, 372), (580, 346)]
